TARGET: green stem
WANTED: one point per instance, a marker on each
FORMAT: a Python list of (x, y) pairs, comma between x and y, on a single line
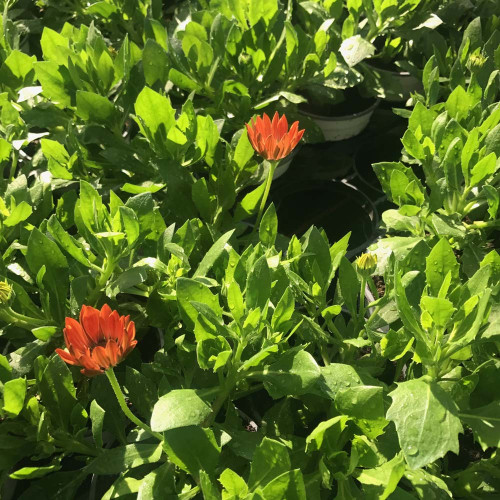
[(123, 405), (28, 323), (228, 385), (361, 312), (373, 316), (272, 167), (483, 224), (324, 355), (103, 279)]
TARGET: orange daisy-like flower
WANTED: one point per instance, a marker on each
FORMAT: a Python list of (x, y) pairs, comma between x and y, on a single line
[(272, 139), (99, 341)]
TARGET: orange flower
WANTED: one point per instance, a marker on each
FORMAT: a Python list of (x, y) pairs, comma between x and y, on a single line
[(99, 341), (273, 140)]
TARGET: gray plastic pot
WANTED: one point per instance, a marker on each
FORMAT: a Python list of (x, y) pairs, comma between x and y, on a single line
[(394, 86), (339, 128)]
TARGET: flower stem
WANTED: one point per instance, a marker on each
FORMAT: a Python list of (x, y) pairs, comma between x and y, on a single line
[(123, 405), (263, 201), (28, 323)]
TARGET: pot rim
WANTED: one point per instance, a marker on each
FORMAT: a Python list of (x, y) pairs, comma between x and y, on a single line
[(404, 74), (341, 118), (365, 202)]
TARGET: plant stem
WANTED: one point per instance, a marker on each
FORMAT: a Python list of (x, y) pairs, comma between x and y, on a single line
[(103, 279), (361, 313), (272, 167), (123, 405), (28, 323), (483, 224)]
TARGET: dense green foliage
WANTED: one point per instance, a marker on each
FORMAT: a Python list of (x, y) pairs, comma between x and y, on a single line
[(271, 367)]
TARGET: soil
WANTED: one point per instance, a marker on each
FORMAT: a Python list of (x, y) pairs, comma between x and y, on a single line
[(470, 452), (384, 65), (380, 284), (300, 205), (353, 103)]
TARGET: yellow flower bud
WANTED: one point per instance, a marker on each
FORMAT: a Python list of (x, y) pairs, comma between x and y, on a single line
[(5, 292), (366, 263), (476, 61)]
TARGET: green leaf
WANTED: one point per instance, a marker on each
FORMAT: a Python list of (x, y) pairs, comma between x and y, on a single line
[(295, 373), (335, 377), (125, 457), (66, 241), (326, 435), (213, 254), (439, 263), (122, 488), (179, 408), (183, 81), (485, 423), (53, 45), (189, 290), (94, 107), (258, 288), (315, 243), (349, 285), (53, 82), (458, 103), (493, 197), (127, 280), (365, 405), (235, 301), (380, 482), (413, 146), (43, 252), (440, 310), (452, 165), (158, 483), (289, 485), (483, 168), (155, 116), (5, 369), (233, 484), (270, 460), (34, 472), (14, 392), (492, 141), (20, 213), (142, 391), (268, 229), (155, 63), (192, 449), (56, 388), (426, 421), (97, 418), (250, 203), (284, 310), (428, 486), (243, 152), (130, 225), (17, 70), (44, 332)]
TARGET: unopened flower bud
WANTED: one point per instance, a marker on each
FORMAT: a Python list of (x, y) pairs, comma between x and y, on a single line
[(476, 61), (5, 292), (366, 264)]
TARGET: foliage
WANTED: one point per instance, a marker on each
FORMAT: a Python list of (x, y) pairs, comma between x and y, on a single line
[(265, 367)]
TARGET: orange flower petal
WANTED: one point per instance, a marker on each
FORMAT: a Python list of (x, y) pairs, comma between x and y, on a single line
[(100, 357), (74, 335), (113, 352), (272, 139), (67, 357), (89, 319)]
